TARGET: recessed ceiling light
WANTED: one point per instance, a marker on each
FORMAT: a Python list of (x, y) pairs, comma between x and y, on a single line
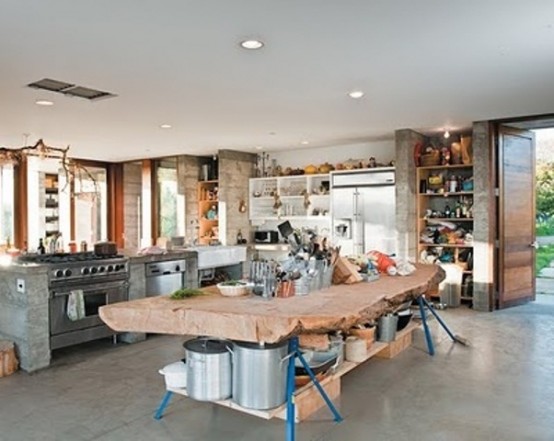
[(251, 44), (356, 94), (304, 142), (44, 103), (446, 134), (165, 126), (258, 147)]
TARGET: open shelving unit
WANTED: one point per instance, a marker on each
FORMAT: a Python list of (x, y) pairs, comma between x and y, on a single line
[(51, 205), (208, 204), (286, 197), (436, 205)]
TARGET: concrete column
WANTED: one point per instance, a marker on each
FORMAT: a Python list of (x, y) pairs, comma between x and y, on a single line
[(406, 192), (235, 170), (132, 191), (188, 170), (484, 225), (24, 315)]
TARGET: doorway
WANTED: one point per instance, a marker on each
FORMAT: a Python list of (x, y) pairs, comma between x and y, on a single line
[(544, 264), (523, 209)]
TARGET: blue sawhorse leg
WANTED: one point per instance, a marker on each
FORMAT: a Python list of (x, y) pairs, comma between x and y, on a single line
[(290, 426), (441, 322), (430, 347), (165, 401)]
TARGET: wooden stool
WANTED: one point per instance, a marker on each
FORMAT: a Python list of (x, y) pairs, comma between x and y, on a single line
[(8, 360)]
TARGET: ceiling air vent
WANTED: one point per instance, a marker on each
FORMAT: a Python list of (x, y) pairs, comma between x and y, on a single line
[(51, 85), (70, 89), (85, 92)]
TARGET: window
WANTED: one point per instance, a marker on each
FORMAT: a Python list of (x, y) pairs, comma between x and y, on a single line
[(171, 204), (91, 206), (6, 204)]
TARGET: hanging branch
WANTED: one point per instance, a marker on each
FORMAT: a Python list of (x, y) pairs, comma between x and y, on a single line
[(70, 167)]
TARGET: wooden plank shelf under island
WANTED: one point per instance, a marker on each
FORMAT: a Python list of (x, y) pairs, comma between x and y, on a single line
[(306, 398), (255, 319)]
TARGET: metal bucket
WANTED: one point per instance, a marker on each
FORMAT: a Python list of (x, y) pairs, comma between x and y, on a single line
[(208, 369), (259, 374), (387, 327)]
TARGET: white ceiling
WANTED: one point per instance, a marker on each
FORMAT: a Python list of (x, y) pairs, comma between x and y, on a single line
[(426, 64)]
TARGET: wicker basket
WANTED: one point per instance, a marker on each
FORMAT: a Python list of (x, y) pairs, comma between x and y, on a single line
[(430, 159)]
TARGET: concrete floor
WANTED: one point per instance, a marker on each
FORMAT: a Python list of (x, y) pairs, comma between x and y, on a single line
[(501, 388)]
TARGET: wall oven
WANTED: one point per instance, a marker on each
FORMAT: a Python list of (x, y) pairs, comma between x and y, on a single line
[(66, 331)]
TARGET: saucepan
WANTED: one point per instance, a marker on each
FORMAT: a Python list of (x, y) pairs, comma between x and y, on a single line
[(105, 249)]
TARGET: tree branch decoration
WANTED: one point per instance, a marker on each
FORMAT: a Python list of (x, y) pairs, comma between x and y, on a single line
[(73, 170)]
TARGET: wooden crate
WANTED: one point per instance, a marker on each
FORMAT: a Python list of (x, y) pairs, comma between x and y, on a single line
[(8, 359), (308, 401), (403, 341)]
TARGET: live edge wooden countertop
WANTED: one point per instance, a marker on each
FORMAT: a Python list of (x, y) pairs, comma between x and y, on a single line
[(255, 319)]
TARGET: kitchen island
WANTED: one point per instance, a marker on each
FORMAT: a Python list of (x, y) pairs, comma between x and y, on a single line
[(255, 319)]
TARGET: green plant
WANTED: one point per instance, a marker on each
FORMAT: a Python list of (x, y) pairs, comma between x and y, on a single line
[(545, 189), (545, 228), (543, 257)]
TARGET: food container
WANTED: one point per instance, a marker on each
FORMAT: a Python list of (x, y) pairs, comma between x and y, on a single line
[(175, 375), (236, 290), (387, 327), (209, 370), (259, 374), (367, 334), (355, 349), (105, 249)]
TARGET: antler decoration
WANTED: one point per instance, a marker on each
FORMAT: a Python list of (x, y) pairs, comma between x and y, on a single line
[(72, 169)]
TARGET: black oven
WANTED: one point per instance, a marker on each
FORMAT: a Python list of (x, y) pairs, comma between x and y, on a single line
[(63, 330)]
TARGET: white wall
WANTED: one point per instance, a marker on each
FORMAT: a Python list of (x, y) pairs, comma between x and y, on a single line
[(383, 151)]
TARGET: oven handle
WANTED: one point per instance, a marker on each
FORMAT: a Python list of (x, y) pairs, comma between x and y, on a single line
[(95, 288)]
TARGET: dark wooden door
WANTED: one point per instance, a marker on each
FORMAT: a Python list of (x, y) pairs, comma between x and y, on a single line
[(516, 257)]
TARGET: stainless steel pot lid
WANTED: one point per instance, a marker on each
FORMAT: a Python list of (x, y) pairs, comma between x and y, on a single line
[(207, 345), (261, 346)]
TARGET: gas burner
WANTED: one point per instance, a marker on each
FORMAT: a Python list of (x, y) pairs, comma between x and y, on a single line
[(65, 257)]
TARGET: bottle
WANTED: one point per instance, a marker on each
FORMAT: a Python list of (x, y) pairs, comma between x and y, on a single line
[(41, 249), (59, 244), (447, 211), (239, 237)]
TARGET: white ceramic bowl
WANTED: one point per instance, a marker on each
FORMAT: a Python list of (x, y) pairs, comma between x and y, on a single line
[(233, 290)]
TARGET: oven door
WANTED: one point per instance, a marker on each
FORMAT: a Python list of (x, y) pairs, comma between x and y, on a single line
[(94, 296)]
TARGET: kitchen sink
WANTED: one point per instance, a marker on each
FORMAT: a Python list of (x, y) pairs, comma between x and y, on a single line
[(213, 256)]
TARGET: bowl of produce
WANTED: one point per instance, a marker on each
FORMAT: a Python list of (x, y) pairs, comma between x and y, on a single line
[(233, 288)]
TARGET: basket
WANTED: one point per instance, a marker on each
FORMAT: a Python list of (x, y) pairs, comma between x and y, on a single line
[(232, 290), (430, 159)]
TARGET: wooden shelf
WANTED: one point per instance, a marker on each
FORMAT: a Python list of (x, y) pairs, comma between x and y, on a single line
[(445, 245), (445, 167), (447, 194), (208, 228), (51, 190), (448, 219), (304, 395)]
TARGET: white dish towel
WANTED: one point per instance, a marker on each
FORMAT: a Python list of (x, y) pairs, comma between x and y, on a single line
[(76, 305)]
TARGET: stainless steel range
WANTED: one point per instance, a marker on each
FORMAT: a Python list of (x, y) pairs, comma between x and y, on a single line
[(94, 280)]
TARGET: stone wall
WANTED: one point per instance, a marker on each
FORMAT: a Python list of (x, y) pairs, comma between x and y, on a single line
[(406, 192), (188, 169), (484, 229), (235, 170), (132, 191), (24, 316)]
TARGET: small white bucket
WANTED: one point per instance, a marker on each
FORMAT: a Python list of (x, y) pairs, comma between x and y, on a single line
[(175, 375)]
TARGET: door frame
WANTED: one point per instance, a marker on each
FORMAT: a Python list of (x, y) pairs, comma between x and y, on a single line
[(499, 248)]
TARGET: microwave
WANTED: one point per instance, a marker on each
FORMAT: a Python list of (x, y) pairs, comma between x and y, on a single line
[(266, 236)]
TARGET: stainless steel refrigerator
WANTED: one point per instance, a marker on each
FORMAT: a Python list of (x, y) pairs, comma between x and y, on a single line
[(363, 210)]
